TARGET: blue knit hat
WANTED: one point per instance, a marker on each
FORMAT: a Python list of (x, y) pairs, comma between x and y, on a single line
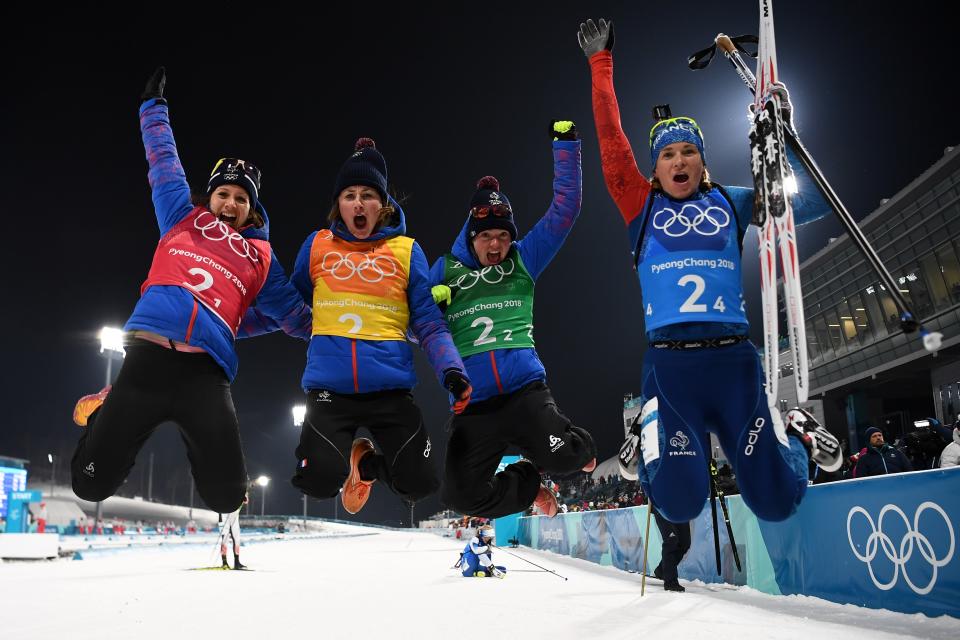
[(365, 167), (671, 130), (872, 430)]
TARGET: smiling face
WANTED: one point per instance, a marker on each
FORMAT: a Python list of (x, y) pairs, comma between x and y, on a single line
[(231, 204), (679, 169), (491, 246), (359, 208)]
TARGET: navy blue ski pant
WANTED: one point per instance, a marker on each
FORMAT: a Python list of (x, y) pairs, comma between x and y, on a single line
[(719, 390)]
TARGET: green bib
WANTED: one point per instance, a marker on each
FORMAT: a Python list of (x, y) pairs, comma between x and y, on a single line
[(492, 307)]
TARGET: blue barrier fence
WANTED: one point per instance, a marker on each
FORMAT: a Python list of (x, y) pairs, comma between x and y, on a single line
[(888, 542)]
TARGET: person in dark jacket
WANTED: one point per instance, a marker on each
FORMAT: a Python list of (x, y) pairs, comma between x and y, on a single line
[(368, 284), (880, 458), (676, 543), (212, 267), (486, 286)]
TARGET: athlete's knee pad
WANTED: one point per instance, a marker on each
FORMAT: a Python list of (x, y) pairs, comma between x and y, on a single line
[(464, 498), (91, 490), (319, 481), (774, 493), (417, 484), (586, 445), (222, 497)]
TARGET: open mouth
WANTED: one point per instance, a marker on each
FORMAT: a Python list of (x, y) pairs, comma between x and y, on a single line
[(228, 218), (681, 178), (493, 257), (360, 221)]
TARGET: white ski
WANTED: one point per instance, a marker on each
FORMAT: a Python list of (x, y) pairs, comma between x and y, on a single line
[(771, 170)]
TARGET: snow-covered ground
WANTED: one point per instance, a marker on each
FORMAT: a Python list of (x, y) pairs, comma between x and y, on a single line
[(396, 584)]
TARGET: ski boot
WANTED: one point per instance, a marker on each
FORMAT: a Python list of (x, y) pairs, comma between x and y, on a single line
[(546, 502), (356, 490), (88, 404), (225, 565), (822, 446), (629, 457), (237, 566)]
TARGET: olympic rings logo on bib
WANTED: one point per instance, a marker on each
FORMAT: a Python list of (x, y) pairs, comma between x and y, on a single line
[(343, 266), (675, 224), (217, 231), (491, 275)]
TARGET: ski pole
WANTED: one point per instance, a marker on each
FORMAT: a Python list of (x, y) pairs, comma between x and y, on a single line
[(908, 320), (528, 562), (713, 512), (726, 512), (646, 545)]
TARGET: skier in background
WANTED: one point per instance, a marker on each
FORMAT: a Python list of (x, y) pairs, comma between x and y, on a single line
[(230, 531), (476, 558), (701, 372)]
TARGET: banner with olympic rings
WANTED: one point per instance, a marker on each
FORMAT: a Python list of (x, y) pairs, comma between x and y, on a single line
[(889, 542)]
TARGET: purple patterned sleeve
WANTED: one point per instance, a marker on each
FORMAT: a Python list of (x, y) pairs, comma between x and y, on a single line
[(543, 242), (168, 182)]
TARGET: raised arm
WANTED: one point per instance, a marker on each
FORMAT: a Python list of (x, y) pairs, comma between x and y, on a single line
[(168, 182), (627, 186), (541, 244)]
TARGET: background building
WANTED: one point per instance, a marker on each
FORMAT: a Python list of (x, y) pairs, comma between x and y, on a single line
[(863, 369)]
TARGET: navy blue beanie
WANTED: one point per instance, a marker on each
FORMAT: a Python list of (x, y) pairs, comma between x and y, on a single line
[(365, 167), (872, 430), (489, 194), (239, 172)]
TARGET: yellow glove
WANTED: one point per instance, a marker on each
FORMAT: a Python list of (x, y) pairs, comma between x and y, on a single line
[(441, 294), (563, 130)]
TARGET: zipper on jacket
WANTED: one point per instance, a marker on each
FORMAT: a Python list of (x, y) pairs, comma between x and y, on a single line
[(496, 374), (353, 350), (193, 318)]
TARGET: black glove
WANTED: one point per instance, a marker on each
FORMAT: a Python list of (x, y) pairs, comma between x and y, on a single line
[(455, 382), (155, 85), (563, 130), (593, 40)]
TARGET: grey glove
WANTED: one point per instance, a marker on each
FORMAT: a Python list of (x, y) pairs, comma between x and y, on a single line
[(786, 107), (594, 40), (155, 85)]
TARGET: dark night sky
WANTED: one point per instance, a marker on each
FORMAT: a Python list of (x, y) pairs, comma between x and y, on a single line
[(449, 96)]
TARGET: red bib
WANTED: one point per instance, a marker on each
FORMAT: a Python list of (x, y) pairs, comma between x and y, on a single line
[(223, 270)]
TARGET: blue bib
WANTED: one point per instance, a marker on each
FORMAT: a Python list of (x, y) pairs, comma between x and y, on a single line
[(689, 263)]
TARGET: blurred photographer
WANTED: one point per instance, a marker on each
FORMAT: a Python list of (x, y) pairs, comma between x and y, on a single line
[(923, 445)]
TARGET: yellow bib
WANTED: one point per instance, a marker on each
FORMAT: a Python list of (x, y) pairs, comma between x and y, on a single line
[(360, 288)]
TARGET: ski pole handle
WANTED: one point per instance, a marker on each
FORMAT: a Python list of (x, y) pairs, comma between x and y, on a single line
[(726, 45)]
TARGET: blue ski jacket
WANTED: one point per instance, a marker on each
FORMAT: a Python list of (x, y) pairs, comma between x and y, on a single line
[(503, 371), (172, 311)]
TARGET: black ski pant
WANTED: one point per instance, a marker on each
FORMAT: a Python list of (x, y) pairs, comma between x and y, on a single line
[(157, 385), (676, 543), (330, 426), (527, 419)]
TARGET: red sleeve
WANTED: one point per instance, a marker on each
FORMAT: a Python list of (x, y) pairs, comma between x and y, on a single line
[(628, 187)]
